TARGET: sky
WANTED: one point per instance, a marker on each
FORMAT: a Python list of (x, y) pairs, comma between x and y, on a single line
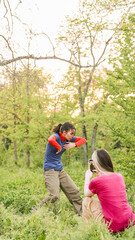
[(41, 16), (52, 13), (45, 16)]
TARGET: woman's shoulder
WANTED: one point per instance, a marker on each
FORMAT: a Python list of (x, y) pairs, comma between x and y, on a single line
[(110, 175), (55, 134), (106, 177), (119, 176), (116, 174), (116, 177)]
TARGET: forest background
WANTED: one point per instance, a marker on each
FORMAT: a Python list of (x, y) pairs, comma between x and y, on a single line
[(96, 47)]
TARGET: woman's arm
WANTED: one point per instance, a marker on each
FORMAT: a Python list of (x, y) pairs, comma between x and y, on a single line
[(88, 176), (53, 142), (79, 141), (75, 142)]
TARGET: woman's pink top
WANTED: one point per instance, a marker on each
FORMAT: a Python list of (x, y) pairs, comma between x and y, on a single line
[(111, 192)]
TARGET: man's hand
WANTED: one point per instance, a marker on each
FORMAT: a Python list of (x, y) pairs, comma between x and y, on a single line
[(69, 145)]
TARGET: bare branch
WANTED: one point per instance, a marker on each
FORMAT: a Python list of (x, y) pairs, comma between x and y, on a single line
[(5, 8), (6, 62), (6, 13), (104, 50), (25, 24), (8, 45), (121, 4), (36, 34), (18, 4), (106, 44), (8, 9), (101, 62)]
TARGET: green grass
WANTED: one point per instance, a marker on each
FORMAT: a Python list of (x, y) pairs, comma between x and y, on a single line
[(21, 189)]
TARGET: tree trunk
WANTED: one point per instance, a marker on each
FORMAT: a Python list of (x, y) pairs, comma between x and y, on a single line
[(27, 152), (14, 111), (93, 141), (15, 143), (84, 133), (15, 152), (69, 157), (28, 117), (85, 146)]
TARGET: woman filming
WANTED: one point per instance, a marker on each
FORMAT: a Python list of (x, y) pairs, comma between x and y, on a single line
[(112, 208), (54, 175)]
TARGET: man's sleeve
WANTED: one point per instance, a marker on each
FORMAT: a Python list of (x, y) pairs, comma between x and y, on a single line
[(53, 142)]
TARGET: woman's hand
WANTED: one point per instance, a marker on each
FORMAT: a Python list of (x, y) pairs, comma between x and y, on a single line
[(58, 151), (69, 145), (94, 170)]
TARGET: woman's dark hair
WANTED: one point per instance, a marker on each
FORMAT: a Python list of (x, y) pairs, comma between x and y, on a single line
[(105, 160), (63, 127)]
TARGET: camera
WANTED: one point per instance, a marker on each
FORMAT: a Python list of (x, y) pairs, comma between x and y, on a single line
[(91, 165)]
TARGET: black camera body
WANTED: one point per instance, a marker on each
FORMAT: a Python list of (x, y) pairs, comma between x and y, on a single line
[(91, 165)]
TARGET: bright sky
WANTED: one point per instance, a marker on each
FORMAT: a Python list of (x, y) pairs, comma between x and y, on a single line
[(51, 15), (41, 16), (46, 16)]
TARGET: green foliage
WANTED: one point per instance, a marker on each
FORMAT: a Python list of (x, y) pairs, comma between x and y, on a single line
[(119, 86), (15, 193), (22, 189), (25, 115), (31, 104)]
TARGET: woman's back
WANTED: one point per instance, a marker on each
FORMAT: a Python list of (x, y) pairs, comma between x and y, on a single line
[(111, 192)]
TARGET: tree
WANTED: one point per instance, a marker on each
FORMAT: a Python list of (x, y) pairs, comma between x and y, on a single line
[(24, 112), (87, 38), (85, 33), (119, 86)]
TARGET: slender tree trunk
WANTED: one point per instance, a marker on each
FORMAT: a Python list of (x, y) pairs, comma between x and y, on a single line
[(15, 143), (85, 146), (93, 141), (14, 110), (27, 141), (84, 133), (15, 152), (27, 118), (27, 152), (69, 157)]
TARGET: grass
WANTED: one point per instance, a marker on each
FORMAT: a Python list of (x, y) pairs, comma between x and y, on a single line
[(21, 189)]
